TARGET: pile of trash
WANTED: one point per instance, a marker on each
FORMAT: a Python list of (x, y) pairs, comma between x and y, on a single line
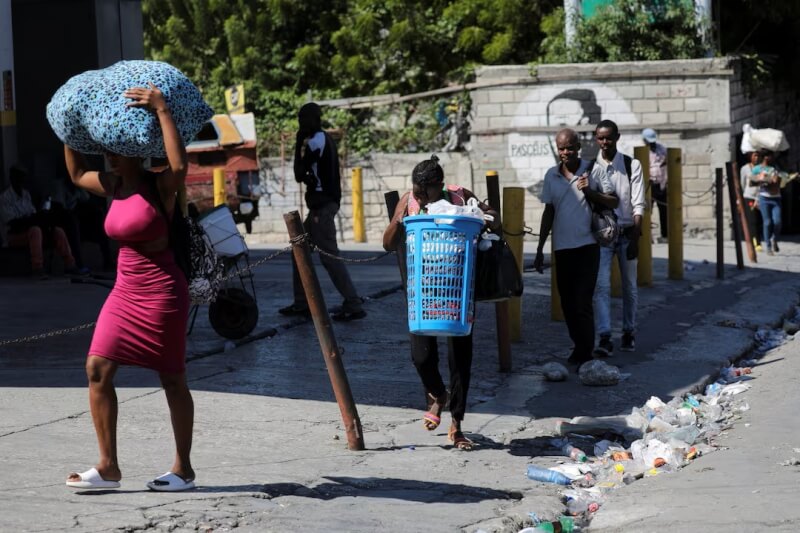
[(658, 438)]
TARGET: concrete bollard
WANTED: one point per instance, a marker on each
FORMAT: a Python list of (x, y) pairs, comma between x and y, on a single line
[(219, 187), (357, 187), (675, 213), (644, 268), (500, 308), (513, 228)]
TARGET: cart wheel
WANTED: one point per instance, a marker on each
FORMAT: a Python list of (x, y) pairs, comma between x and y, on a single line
[(233, 314)]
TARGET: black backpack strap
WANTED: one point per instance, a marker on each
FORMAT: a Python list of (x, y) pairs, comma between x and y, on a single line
[(628, 165)]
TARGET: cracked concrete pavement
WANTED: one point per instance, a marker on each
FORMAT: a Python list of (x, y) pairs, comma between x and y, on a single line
[(269, 447)]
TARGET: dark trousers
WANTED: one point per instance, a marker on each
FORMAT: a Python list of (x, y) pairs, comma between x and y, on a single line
[(425, 354), (659, 196), (321, 226), (576, 276)]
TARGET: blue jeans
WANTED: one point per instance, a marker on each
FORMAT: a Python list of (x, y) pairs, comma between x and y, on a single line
[(771, 213), (602, 293)]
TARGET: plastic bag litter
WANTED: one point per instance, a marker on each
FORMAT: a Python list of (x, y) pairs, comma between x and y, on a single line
[(686, 417), (554, 371), (659, 425), (599, 373), (655, 403), (443, 207), (573, 471), (734, 388), (655, 449), (605, 446)]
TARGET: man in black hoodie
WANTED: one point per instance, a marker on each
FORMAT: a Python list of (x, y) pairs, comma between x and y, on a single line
[(316, 163)]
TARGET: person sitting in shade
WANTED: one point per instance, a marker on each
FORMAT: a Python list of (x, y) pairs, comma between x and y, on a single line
[(25, 227)]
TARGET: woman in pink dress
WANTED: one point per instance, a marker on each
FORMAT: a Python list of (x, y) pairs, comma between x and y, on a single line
[(143, 321)]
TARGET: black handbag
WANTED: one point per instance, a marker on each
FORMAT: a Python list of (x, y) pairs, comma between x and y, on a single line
[(497, 276), (194, 254)]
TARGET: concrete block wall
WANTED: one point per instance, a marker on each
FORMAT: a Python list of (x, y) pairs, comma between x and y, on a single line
[(687, 102), (697, 105), (381, 173)]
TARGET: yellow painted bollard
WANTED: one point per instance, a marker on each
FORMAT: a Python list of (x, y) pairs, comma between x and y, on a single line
[(513, 227), (556, 311), (644, 273), (675, 213), (357, 186), (220, 197)]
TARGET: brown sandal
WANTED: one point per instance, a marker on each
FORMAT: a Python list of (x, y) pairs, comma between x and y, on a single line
[(460, 442)]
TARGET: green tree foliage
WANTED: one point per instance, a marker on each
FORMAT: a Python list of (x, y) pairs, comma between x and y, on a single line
[(640, 30), (284, 51)]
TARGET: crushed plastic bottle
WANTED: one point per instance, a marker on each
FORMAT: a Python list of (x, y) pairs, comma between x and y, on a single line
[(576, 454), (565, 524), (546, 475), (581, 505)]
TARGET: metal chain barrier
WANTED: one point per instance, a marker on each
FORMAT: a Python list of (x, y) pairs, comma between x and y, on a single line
[(251, 267), (526, 230), (697, 196), (232, 274), (316, 248), (47, 335)]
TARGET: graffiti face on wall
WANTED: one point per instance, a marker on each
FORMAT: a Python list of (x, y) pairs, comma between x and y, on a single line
[(549, 108)]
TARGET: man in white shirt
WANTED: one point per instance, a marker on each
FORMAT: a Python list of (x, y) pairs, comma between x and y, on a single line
[(626, 175), (568, 188), (24, 227)]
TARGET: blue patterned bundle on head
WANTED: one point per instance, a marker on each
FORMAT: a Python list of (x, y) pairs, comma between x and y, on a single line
[(90, 115)]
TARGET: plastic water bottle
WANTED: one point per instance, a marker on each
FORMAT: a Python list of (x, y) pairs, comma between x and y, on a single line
[(576, 454), (565, 524), (546, 475)]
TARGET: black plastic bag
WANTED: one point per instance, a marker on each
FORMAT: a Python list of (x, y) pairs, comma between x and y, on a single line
[(497, 276)]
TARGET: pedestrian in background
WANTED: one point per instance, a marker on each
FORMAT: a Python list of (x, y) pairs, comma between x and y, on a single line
[(143, 321), (750, 195), (428, 187), (316, 164), (765, 176), (568, 189), (658, 176), (625, 173)]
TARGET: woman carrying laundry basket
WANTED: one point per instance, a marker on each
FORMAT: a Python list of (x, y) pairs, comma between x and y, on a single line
[(428, 187)]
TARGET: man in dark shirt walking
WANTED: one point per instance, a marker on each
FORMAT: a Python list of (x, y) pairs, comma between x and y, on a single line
[(316, 164)]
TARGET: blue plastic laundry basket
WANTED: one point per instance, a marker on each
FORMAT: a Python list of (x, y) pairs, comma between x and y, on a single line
[(440, 257)]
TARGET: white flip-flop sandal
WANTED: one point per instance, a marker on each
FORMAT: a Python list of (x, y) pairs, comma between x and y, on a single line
[(170, 482), (92, 480)]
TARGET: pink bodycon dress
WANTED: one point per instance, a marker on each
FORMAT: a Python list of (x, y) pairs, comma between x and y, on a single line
[(143, 321)]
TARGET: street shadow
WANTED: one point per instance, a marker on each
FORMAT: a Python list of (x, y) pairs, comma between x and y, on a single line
[(376, 353), (374, 487)]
